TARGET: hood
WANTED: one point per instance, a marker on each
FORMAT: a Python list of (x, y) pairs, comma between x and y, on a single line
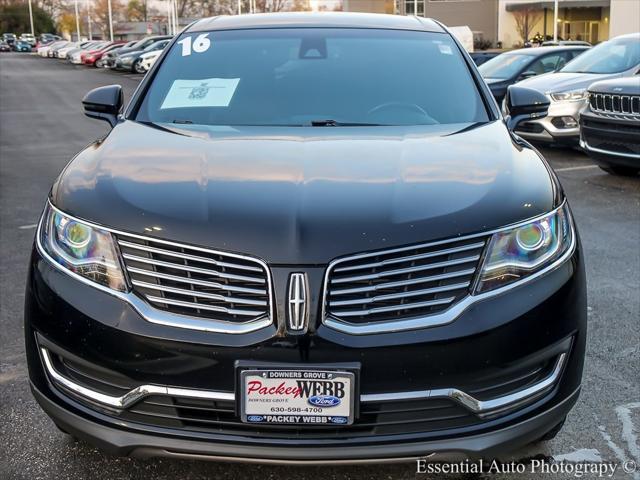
[(155, 53), (125, 50), (130, 54), (562, 82), (618, 86), (306, 195)]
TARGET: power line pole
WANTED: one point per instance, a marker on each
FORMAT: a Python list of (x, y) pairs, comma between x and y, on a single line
[(176, 18), (110, 22), (77, 21), (555, 20), (89, 19), (31, 19)]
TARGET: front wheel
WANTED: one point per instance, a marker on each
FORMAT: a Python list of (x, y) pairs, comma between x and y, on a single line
[(621, 171), (99, 63), (138, 67)]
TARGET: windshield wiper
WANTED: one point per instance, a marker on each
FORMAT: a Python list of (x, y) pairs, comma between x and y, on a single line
[(335, 123)]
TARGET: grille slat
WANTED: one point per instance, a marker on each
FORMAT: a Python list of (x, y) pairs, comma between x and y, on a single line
[(412, 258), (401, 283), (187, 256), (188, 268), (401, 271), (193, 281), (392, 296), (202, 306), (615, 104), (194, 293), (395, 308), (197, 282)]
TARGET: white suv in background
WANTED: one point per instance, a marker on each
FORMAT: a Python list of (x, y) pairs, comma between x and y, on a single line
[(567, 88)]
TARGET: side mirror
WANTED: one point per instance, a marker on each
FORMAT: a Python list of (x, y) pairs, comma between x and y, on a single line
[(524, 104), (527, 74), (104, 103)]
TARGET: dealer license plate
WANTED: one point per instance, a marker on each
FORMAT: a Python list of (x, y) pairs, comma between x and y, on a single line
[(308, 397)]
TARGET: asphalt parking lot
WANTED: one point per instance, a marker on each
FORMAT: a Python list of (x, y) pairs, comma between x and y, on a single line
[(42, 127)]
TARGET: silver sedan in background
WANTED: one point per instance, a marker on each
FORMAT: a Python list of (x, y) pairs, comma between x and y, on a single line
[(567, 88)]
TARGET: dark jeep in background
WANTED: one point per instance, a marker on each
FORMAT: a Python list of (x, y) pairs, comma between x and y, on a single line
[(610, 125)]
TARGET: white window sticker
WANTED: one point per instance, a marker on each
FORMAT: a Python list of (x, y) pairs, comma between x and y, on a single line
[(208, 92), (445, 49)]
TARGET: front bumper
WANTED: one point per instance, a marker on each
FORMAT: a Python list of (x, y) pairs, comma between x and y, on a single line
[(123, 65), (611, 139), (552, 129), (123, 442), (490, 341)]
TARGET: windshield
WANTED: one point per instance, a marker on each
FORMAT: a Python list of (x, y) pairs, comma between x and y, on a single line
[(156, 45), (313, 76), (504, 66), (614, 56)]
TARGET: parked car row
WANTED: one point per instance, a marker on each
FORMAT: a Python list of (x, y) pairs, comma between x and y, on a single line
[(601, 117), (26, 42), (135, 56)]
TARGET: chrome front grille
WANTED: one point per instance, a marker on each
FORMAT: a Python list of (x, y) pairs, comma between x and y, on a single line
[(401, 283), (194, 281), (614, 104)]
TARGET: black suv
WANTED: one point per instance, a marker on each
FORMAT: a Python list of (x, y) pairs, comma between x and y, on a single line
[(610, 125), (308, 238)]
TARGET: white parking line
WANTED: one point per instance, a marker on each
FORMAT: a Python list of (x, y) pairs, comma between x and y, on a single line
[(619, 452), (628, 435), (28, 227), (584, 455), (581, 167)]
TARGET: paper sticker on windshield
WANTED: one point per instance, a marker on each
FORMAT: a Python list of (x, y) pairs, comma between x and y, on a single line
[(208, 92), (446, 49)]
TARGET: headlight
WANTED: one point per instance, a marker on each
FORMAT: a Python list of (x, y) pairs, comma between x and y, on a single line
[(569, 96), (83, 249), (517, 253)]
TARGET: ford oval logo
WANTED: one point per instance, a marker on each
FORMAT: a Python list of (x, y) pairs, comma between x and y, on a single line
[(255, 418), (324, 401), (339, 420)]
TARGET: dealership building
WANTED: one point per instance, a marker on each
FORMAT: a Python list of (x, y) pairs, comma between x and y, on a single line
[(496, 20)]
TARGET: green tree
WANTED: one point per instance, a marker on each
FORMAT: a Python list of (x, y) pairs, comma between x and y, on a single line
[(137, 10), (14, 17)]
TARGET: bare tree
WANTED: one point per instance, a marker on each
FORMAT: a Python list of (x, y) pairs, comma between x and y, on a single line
[(526, 18), (100, 15), (301, 5), (271, 5)]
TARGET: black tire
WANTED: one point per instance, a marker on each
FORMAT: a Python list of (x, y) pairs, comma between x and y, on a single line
[(551, 434), (137, 67), (98, 63), (621, 171)]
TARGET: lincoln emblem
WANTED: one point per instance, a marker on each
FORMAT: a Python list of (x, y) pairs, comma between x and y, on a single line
[(297, 302)]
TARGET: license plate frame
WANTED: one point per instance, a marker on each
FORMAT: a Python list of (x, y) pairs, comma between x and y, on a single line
[(309, 373)]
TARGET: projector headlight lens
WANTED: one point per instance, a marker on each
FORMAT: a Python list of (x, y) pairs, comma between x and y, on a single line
[(517, 253), (83, 249)]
